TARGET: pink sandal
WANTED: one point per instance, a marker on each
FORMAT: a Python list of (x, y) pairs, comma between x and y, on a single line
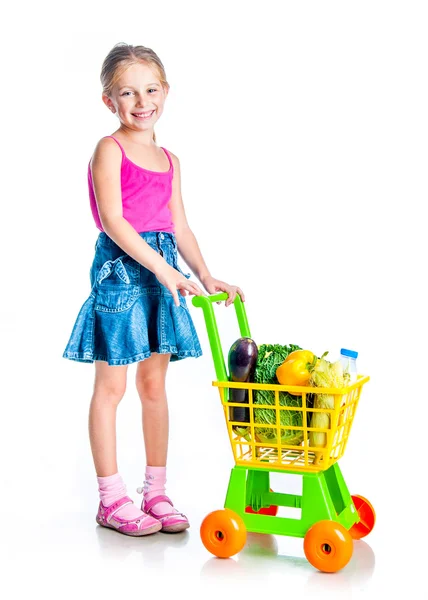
[(172, 522), (144, 525)]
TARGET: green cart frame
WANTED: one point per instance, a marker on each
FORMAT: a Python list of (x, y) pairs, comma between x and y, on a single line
[(330, 518)]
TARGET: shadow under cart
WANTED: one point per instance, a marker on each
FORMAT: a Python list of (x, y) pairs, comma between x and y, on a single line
[(330, 517)]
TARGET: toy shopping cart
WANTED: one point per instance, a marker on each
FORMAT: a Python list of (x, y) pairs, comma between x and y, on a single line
[(330, 518)]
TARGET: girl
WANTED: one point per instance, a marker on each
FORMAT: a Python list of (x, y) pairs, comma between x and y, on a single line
[(137, 311)]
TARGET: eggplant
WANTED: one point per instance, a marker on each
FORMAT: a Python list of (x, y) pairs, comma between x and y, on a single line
[(242, 362), (236, 412)]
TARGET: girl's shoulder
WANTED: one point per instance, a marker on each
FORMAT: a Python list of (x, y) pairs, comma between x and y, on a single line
[(173, 157), (108, 141), (107, 149)]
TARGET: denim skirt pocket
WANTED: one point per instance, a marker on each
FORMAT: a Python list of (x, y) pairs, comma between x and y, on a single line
[(129, 313), (117, 284), (115, 298)]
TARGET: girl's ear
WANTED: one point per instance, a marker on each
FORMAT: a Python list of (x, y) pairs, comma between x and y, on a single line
[(108, 103)]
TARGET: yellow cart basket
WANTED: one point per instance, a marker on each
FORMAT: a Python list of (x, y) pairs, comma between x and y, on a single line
[(256, 444), (251, 446)]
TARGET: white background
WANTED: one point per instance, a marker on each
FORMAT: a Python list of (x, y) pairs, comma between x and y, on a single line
[(301, 128)]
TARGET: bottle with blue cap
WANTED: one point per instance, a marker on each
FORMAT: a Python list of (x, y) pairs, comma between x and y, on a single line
[(349, 362)]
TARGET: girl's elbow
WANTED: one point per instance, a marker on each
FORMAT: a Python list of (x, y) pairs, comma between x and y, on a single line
[(110, 222)]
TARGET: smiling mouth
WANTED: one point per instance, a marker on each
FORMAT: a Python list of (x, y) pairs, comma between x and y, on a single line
[(143, 116)]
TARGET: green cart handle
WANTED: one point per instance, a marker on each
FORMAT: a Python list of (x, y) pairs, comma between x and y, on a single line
[(206, 303)]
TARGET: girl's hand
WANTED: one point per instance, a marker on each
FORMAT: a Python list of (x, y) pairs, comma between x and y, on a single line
[(173, 280), (215, 285)]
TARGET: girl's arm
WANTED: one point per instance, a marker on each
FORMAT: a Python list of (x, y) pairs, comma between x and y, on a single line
[(188, 246), (186, 240), (106, 168)]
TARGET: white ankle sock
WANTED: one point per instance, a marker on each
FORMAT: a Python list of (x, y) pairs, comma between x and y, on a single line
[(154, 485), (111, 489)]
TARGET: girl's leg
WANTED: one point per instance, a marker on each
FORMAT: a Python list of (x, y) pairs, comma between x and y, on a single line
[(116, 509), (150, 381), (109, 389)]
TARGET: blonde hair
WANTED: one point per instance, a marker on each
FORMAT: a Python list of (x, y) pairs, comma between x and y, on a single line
[(122, 56)]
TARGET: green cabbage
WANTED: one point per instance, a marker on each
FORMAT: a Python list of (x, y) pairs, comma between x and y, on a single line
[(270, 356), (287, 417)]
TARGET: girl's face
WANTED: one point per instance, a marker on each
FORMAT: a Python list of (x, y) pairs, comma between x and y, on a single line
[(137, 98)]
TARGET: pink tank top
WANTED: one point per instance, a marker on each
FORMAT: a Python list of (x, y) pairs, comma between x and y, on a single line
[(145, 196)]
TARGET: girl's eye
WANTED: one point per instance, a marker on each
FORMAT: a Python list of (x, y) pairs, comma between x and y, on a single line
[(150, 90)]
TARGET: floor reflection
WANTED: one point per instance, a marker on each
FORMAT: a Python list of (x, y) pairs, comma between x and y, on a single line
[(356, 574), (117, 546), (264, 553)]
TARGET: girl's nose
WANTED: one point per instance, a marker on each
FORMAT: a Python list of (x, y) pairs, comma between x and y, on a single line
[(142, 102)]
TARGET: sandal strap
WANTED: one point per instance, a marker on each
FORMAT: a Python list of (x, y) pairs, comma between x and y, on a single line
[(148, 508), (111, 510), (149, 505)]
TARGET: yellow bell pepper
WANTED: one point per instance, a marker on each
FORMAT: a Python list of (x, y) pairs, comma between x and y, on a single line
[(296, 368)]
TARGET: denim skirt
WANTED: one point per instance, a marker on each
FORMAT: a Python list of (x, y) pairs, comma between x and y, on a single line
[(129, 314)]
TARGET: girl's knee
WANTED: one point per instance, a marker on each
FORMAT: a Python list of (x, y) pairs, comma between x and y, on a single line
[(111, 394), (110, 384), (150, 387), (150, 378)]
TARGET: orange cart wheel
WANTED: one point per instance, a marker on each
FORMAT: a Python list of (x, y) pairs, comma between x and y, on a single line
[(367, 516), (270, 511), (223, 533), (328, 546)]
